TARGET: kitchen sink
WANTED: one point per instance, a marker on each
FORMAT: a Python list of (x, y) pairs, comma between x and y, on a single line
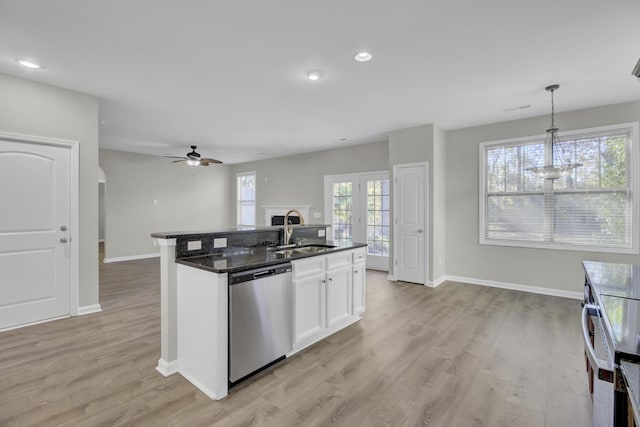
[(303, 250)]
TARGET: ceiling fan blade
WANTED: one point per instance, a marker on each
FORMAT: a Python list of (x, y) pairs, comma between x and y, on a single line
[(203, 162), (211, 160), (181, 160), (166, 156)]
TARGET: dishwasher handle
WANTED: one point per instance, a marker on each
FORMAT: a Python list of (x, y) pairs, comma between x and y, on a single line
[(263, 273), (601, 367)]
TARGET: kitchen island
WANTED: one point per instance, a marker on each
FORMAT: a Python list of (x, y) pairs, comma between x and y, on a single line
[(328, 289)]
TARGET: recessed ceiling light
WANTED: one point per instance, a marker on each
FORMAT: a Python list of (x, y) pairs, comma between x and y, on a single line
[(363, 56), (27, 63), (315, 75)]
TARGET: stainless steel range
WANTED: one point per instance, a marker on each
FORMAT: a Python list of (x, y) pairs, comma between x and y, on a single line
[(611, 322)]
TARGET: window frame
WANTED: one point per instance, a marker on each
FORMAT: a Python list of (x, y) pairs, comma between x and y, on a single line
[(239, 200), (634, 187)]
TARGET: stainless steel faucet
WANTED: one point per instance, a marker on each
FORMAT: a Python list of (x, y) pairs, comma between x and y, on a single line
[(288, 229)]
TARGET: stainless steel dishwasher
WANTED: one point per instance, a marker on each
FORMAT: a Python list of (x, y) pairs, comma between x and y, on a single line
[(260, 319)]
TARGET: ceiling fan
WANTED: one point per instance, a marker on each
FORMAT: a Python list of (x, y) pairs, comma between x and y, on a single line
[(194, 159)]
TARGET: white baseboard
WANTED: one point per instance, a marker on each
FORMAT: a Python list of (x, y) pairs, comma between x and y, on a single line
[(24, 325), (392, 277), (435, 283), (130, 258), (167, 368), (517, 287), (88, 309)]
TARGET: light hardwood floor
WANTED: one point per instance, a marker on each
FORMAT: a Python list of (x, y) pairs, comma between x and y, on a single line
[(457, 355)]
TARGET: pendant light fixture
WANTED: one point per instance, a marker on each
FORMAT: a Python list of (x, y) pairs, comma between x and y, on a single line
[(553, 170)]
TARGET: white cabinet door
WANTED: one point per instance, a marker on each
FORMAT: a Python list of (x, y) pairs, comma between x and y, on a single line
[(338, 295), (359, 288), (309, 306)]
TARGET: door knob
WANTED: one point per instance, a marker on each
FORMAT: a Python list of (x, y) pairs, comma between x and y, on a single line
[(420, 230), (63, 240), (63, 228)]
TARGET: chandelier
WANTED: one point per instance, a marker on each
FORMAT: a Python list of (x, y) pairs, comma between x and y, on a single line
[(553, 170)]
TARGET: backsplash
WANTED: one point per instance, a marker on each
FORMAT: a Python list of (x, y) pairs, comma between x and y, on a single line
[(243, 239)]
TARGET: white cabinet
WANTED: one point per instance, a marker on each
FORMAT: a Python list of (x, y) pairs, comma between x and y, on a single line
[(359, 281), (324, 296), (309, 307), (338, 295)]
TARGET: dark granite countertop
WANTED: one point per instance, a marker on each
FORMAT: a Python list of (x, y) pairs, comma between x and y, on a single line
[(239, 259)]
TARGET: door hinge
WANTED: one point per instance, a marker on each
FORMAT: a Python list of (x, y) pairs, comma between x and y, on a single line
[(396, 261)]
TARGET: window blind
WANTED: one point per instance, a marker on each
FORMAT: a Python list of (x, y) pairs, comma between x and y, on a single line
[(592, 207)]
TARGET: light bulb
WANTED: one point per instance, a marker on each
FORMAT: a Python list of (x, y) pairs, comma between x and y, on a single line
[(29, 64), (314, 75), (363, 56)]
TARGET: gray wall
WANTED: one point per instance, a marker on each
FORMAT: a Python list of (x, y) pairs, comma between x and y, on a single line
[(299, 180), (33, 108), (534, 267), (189, 198)]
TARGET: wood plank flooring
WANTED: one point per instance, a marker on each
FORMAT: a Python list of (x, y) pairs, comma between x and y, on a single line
[(457, 355)]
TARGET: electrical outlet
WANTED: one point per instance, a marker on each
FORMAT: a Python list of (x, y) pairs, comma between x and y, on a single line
[(321, 233), (317, 215), (194, 245), (220, 243)]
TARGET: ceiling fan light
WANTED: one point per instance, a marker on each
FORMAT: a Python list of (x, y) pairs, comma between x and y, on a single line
[(192, 162)]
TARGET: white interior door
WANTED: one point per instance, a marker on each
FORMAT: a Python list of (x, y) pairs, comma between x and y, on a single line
[(35, 260), (410, 231)]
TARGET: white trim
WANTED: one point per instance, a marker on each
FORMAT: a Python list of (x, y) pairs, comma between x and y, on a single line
[(131, 258), (210, 394), (74, 208), (100, 240), (89, 309), (392, 277), (435, 283), (427, 225), (167, 368), (517, 287), (24, 325)]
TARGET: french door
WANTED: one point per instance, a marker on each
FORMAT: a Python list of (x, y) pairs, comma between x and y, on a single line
[(357, 208)]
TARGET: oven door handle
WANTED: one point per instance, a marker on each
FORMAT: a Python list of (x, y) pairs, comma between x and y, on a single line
[(600, 366)]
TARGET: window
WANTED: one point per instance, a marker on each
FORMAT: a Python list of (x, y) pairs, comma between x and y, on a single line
[(378, 217), (593, 208), (246, 209), (342, 212)]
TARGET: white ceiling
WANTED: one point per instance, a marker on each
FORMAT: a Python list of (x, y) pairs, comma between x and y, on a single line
[(230, 76)]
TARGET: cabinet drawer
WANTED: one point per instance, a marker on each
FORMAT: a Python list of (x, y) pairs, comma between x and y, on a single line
[(339, 259), (360, 255), (308, 267)]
